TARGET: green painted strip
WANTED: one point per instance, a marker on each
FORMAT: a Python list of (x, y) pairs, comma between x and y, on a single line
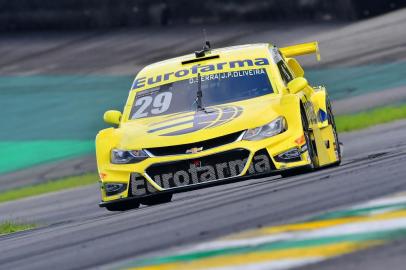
[(309, 243), (359, 211), (22, 154), (58, 107), (53, 118), (347, 82)]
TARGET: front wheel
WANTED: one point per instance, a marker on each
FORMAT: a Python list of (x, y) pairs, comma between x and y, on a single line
[(310, 150), (157, 199), (331, 121), (123, 206)]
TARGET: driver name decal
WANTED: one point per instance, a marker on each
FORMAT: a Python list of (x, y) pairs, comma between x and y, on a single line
[(226, 75)]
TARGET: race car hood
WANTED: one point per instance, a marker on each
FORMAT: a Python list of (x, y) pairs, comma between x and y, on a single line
[(190, 127)]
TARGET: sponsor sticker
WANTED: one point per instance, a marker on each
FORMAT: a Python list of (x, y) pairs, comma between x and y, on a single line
[(142, 82), (200, 173)]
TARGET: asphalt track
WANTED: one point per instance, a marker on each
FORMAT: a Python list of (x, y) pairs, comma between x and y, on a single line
[(77, 234)]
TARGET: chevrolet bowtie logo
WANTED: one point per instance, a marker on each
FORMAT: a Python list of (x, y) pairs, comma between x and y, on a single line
[(194, 150)]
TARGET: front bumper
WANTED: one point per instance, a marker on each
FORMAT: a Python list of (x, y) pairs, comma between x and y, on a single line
[(190, 187), (143, 178)]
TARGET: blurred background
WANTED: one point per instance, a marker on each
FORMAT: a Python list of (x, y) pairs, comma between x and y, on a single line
[(63, 63), (25, 15)]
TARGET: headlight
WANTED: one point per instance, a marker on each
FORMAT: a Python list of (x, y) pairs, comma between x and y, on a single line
[(276, 127), (127, 156)]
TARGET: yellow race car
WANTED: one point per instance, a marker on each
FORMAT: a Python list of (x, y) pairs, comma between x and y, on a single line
[(211, 117)]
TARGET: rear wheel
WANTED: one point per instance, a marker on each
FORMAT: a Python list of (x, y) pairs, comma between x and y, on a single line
[(157, 199), (123, 206)]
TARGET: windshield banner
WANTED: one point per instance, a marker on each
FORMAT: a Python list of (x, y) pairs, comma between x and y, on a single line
[(237, 64)]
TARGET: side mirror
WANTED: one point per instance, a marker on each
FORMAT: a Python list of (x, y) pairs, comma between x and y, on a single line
[(112, 117), (298, 84), (295, 67)]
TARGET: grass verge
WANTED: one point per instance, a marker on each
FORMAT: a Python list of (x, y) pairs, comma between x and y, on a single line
[(8, 227), (369, 118), (55, 185)]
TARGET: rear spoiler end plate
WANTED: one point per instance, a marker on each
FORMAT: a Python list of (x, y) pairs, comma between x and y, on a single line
[(301, 49)]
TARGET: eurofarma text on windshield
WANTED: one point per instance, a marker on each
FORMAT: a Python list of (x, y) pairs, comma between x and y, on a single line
[(144, 81)]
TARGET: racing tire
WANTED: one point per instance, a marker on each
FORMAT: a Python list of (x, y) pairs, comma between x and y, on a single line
[(310, 149), (331, 122), (157, 199), (123, 206)]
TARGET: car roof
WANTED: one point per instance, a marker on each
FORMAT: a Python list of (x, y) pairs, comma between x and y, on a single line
[(232, 52)]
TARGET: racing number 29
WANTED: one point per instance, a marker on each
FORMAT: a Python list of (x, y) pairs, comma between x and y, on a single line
[(160, 104)]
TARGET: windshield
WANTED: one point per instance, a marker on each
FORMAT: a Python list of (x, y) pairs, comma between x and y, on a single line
[(219, 88)]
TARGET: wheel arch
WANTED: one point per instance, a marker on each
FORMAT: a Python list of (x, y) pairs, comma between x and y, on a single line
[(319, 100)]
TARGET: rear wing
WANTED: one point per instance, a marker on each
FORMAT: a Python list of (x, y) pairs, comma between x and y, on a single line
[(301, 49)]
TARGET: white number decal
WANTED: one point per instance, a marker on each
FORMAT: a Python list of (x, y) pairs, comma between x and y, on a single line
[(160, 104), (144, 103)]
